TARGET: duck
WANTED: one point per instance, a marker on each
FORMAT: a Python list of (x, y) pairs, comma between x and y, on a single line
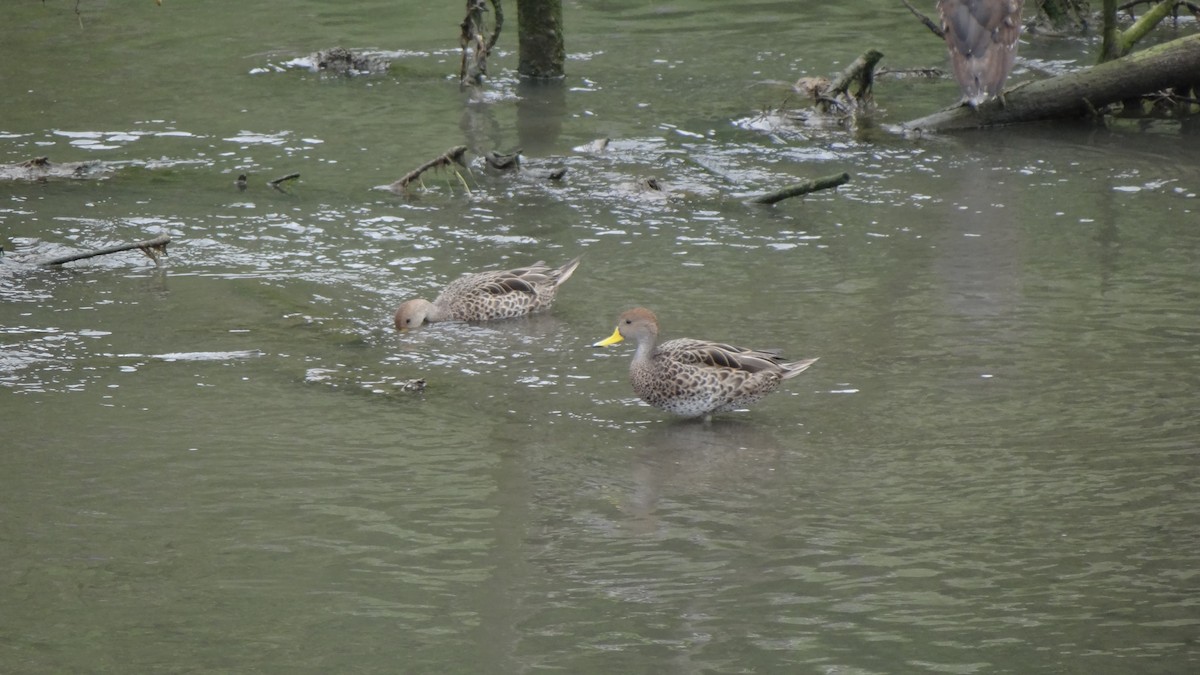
[(982, 38), (485, 296), (697, 378)]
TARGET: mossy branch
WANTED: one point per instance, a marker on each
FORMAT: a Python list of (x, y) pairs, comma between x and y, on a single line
[(799, 189), (862, 70), (1144, 25)]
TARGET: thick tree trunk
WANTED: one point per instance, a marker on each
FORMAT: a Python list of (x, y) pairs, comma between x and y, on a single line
[(1110, 32), (539, 23), (1078, 94)]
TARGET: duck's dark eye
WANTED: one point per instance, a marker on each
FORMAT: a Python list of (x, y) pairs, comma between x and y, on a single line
[(408, 321), (628, 322)]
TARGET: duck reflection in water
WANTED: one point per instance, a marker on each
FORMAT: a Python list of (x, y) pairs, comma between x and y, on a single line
[(726, 459)]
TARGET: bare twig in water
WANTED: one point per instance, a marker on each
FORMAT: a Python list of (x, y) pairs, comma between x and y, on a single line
[(801, 189), (278, 182), (498, 12), (449, 158), (929, 23), (902, 73), (153, 248)]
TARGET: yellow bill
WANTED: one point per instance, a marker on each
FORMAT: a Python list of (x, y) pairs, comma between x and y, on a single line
[(611, 339)]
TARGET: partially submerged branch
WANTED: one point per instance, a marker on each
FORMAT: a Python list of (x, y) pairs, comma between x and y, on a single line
[(152, 248), (446, 159), (278, 182), (929, 23), (476, 45), (837, 93), (861, 71), (799, 189), (498, 12)]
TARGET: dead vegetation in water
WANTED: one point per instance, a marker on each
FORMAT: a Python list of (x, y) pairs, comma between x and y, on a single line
[(476, 42), (341, 61), (451, 159), (647, 189), (41, 169)]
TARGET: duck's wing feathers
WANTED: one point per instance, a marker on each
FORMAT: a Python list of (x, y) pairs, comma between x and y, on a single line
[(508, 283), (720, 355), (984, 34), (538, 267), (521, 280), (973, 26), (531, 279)]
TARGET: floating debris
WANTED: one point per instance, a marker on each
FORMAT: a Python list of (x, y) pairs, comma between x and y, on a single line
[(278, 183), (503, 162), (343, 61), (41, 168), (416, 386)]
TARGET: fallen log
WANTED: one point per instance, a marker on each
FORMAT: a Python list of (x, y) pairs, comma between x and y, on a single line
[(153, 248), (1079, 94)]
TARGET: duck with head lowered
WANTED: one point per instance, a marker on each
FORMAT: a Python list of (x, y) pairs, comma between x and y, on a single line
[(484, 296)]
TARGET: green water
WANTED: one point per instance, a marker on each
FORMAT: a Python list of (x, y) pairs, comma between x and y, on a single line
[(208, 467)]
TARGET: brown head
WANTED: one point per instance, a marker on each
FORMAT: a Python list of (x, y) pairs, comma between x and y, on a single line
[(412, 313), (638, 324)]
